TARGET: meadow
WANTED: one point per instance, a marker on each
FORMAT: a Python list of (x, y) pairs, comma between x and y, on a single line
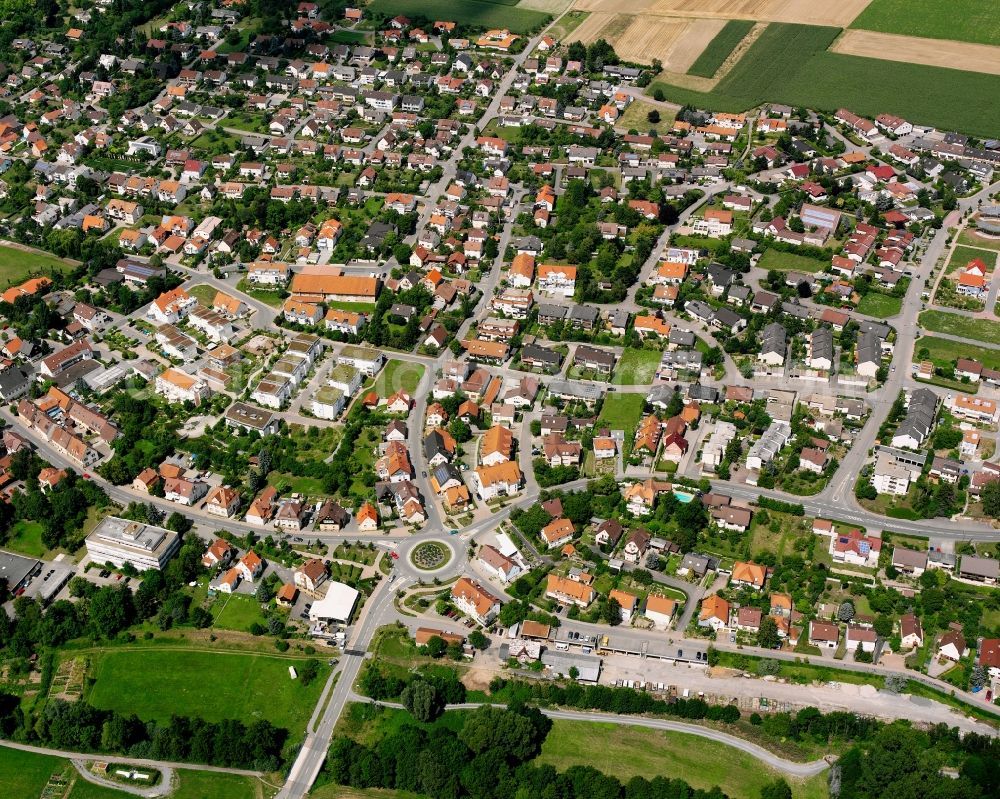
[(629, 751), (790, 262), (962, 326), (465, 12), (718, 50), (961, 20), (17, 265), (155, 684), (791, 64)]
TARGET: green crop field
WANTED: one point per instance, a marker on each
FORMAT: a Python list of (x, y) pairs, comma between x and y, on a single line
[(466, 12), (216, 685), (718, 50), (961, 20), (790, 262), (962, 326), (790, 64), (17, 265), (626, 752)]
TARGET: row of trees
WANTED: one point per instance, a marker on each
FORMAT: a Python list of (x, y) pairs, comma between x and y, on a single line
[(79, 726)]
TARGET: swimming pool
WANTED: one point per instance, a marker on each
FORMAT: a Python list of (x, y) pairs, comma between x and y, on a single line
[(683, 496)]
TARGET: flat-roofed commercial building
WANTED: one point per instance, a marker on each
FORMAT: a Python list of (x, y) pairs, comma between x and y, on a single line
[(122, 541)]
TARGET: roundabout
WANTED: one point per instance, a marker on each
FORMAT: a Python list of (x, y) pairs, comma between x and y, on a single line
[(430, 556)]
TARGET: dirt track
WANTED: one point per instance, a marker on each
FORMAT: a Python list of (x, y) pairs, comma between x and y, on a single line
[(806, 12), (916, 50)]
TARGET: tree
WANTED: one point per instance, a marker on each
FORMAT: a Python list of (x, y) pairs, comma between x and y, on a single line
[(846, 611), (883, 625), (478, 640), (653, 116), (779, 789), (421, 699), (436, 646), (991, 498), (111, 610), (767, 634), (611, 612)]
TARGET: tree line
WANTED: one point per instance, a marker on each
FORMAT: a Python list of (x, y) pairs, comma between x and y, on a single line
[(78, 726)]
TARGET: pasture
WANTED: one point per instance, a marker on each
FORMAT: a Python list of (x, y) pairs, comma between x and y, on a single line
[(719, 49), (959, 20)]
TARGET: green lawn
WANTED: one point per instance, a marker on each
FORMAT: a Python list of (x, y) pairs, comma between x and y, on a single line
[(625, 752), (637, 367), (963, 326), (791, 64), (962, 255), (879, 305), (236, 612), (362, 307), (347, 37), (719, 49), (790, 262), (26, 538), (17, 265), (466, 12), (962, 20), (398, 375), (213, 685), (310, 486), (944, 352), (272, 298), (621, 412), (204, 293), (202, 784)]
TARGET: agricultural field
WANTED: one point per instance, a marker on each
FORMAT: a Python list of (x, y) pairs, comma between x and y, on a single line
[(675, 42), (467, 12), (789, 262), (805, 12), (719, 49), (916, 50), (959, 20), (791, 64), (962, 326), (17, 265), (214, 685), (629, 751)]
